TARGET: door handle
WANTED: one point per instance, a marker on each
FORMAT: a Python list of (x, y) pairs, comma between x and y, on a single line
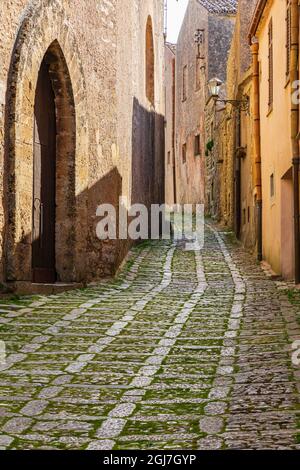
[(39, 206), (36, 207)]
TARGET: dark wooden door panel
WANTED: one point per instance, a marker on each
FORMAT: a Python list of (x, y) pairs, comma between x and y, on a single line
[(43, 233)]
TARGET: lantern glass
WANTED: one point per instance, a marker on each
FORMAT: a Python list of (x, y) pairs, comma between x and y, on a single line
[(214, 86)]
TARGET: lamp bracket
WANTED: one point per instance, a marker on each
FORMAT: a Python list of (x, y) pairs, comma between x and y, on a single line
[(243, 105)]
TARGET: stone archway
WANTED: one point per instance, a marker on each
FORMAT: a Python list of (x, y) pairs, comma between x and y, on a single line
[(45, 31), (63, 191)]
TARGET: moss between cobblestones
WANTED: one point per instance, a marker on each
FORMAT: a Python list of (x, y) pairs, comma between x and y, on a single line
[(46, 443), (153, 445), (160, 427), (187, 375), (175, 409), (231, 238), (176, 393), (128, 266), (294, 298), (20, 300)]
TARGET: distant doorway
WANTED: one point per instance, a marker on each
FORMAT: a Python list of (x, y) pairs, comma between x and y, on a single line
[(287, 226), (44, 180)]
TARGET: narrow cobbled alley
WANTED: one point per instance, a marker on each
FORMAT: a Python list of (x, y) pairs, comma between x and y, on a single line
[(183, 350)]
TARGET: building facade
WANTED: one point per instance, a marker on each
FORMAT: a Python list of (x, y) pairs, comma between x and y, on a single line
[(275, 34), (76, 61), (170, 121), (235, 136), (201, 54)]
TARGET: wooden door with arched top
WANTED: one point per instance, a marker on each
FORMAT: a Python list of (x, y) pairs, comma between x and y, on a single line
[(43, 237)]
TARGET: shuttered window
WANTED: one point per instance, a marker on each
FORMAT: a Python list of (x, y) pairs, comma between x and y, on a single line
[(271, 65)]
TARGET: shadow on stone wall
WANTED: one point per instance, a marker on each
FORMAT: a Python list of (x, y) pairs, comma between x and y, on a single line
[(148, 163), (99, 259), (104, 257)]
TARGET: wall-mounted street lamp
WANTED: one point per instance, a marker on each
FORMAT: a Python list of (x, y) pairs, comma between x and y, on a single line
[(214, 86)]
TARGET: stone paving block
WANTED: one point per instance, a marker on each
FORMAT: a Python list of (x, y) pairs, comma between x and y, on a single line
[(16, 425), (34, 408), (183, 351)]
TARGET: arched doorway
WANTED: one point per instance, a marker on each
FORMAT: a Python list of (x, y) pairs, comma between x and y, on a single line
[(54, 148), (44, 179), (41, 199), (57, 47)]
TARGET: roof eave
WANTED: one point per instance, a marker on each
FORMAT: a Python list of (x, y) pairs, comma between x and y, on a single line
[(229, 11), (258, 12)]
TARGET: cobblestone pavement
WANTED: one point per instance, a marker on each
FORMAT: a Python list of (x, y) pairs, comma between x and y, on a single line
[(183, 351)]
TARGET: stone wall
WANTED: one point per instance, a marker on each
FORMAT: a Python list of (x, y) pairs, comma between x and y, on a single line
[(99, 51), (219, 41), (170, 90), (140, 122), (203, 62), (190, 109), (237, 204), (221, 29), (213, 158)]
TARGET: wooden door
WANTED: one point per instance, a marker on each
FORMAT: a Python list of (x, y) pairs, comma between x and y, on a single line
[(43, 242)]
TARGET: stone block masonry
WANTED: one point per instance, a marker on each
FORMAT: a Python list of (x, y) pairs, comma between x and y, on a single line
[(102, 115), (196, 64)]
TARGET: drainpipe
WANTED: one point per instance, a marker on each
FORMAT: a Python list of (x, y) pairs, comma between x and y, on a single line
[(257, 150), (238, 176), (173, 128), (295, 130)]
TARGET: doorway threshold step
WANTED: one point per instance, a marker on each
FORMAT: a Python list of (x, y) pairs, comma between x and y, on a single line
[(28, 288)]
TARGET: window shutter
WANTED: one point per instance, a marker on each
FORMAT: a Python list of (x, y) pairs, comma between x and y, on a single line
[(288, 37), (271, 79)]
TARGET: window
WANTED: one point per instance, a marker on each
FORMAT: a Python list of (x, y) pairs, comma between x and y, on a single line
[(270, 60), (288, 37), (184, 153), (184, 83), (197, 145), (169, 158), (272, 185)]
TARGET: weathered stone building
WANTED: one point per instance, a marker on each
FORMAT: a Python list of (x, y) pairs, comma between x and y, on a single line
[(81, 123), (170, 138), (214, 157), (233, 136), (202, 50), (256, 138)]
